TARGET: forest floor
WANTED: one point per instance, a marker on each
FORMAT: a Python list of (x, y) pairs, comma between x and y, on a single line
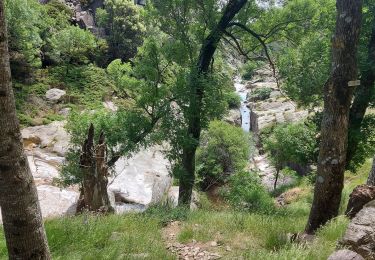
[(210, 232)]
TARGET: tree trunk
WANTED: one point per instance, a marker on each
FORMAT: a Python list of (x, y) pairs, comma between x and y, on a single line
[(363, 96), (338, 94), (276, 179), (94, 194), (207, 52), (22, 219), (371, 176)]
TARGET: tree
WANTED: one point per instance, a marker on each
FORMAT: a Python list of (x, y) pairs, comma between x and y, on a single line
[(73, 45), (223, 151), (24, 26), (196, 95), (22, 219), (338, 93), (291, 144), (363, 95), (123, 26)]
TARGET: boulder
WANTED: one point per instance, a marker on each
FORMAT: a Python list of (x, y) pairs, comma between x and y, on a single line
[(360, 196), (44, 166), (233, 117), (142, 179), (360, 234), (55, 95), (52, 138), (57, 202), (345, 254)]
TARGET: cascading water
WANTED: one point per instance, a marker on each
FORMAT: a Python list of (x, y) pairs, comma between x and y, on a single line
[(245, 111)]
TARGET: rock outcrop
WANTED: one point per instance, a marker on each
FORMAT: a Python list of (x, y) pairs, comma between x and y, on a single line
[(276, 109), (360, 196), (345, 254), (360, 234), (233, 117)]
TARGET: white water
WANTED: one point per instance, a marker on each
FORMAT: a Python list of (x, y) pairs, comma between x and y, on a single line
[(245, 111)]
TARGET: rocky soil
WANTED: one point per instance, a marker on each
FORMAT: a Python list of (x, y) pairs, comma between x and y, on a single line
[(189, 251)]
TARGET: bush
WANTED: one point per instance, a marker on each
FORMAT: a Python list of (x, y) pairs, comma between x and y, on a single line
[(248, 70), (233, 100), (224, 150), (260, 94), (122, 22), (292, 143), (245, 192), (73, 45)]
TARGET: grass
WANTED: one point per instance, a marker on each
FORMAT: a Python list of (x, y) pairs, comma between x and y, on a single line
[(105, 237), (249, 235)]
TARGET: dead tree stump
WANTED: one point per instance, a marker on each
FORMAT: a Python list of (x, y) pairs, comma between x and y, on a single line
[(93, 164)]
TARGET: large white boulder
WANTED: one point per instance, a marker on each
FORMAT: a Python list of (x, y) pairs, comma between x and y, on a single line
[(142, 179), (52, 138), (57, 202)]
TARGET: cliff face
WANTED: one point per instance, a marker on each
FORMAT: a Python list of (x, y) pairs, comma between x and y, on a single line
[(269, 107)]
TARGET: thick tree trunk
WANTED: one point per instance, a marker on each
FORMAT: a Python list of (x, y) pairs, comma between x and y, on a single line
[(207, 52), (22, 219), (338, 93), (363, 96), (371, 176), (94, 194)]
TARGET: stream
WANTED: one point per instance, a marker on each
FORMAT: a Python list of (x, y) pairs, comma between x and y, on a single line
[(245, 111)]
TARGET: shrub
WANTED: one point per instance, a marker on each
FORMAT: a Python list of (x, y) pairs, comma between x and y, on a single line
[(245, 192), (224, 150), (73, 45), (260, 94), (122, 22), (292, 143), (233, 100), (248, 70)]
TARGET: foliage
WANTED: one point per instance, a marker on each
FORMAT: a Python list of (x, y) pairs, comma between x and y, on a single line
[(292, 143), (233, 100), (72, 45), (122, 22), (248, 70), (24, 19), (224, 150), (246, 192), (260, 94), (366, 142), (305, 69), (303, 60), (87, 85)]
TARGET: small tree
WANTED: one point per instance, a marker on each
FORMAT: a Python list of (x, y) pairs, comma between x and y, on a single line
[(73, 45), (291, 143), (122, 22), (224, 150)]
